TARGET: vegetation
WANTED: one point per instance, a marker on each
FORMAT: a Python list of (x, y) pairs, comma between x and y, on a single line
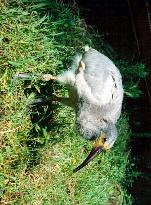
[(39, 144)]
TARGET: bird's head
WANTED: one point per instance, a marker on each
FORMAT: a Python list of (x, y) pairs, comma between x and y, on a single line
[(102, 141)]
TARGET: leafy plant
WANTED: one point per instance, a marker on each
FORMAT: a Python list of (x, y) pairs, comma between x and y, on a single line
[(133, 74)]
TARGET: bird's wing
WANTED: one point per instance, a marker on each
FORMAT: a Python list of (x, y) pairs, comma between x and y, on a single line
[(103, 87)]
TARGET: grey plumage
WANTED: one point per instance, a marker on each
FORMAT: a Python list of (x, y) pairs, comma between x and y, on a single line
[(96, 94)]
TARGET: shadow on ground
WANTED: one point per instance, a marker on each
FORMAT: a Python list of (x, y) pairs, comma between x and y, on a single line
[(41, 115)]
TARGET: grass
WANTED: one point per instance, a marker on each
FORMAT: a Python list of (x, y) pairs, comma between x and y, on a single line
[(39, 144)]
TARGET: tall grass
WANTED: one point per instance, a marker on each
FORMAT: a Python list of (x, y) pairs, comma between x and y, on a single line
[(39, 144)]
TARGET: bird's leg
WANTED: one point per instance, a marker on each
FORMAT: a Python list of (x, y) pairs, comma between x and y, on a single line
[(64, 100), (47, 77), (44, 77), (66, 76)]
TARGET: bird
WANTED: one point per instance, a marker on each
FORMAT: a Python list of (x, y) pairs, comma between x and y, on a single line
[(95, 91)]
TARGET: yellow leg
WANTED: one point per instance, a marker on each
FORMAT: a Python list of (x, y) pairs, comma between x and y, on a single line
[(47, 77)]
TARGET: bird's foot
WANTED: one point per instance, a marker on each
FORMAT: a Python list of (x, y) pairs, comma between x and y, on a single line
[(47, 77)]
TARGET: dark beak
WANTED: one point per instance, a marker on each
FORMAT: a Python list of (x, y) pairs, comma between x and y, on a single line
[(94, 152), (98, 147)]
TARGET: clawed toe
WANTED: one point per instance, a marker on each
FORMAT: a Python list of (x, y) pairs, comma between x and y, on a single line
[(47, 77)]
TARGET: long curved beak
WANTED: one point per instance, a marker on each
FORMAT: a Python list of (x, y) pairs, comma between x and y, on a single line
[(96, 150)]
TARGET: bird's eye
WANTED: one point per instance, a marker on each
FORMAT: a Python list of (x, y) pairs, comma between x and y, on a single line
[(93, 137)]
